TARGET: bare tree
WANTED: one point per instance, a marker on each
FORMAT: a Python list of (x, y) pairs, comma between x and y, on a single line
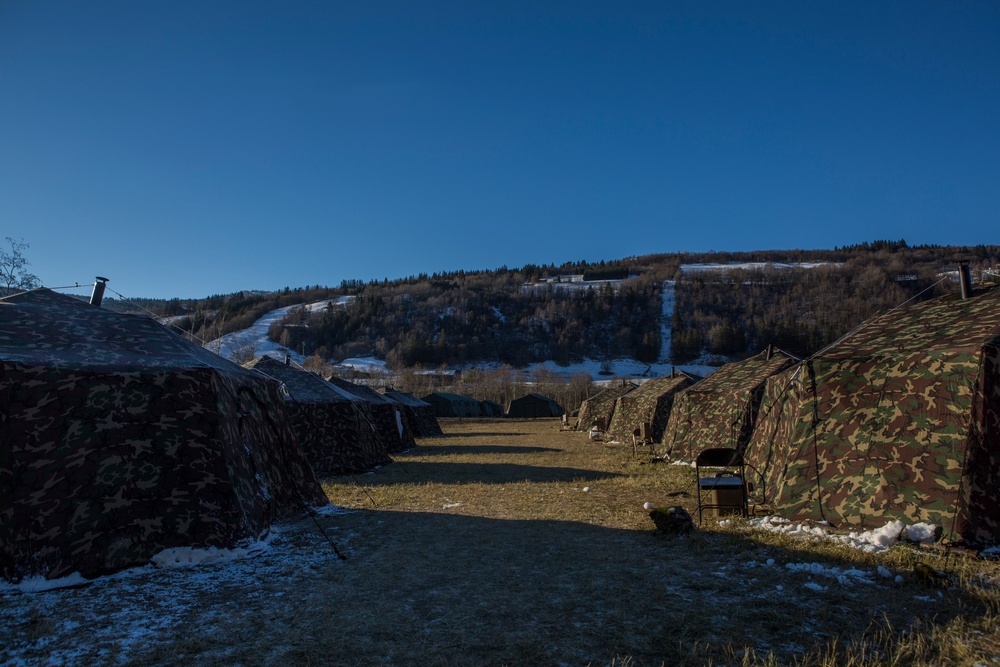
[(14, 273)]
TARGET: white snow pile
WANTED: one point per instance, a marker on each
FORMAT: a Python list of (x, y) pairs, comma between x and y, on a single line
[(190, 556), (364, 365), (869, 541)]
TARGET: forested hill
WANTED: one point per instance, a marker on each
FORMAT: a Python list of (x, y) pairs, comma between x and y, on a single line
[(602, 310)]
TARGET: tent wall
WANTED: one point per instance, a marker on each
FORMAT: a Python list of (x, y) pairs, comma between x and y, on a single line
[(601, 406), (721, 410), (419, 414), (102, 470), (533, 406), (650, 403)]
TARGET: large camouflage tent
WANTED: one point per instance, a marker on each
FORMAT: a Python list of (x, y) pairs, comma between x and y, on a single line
[(419, 414), (650, 403), (453, 405), (390, 424), (900, 420), (336, 429), (720, 411), (533, 405), (119, 439), (602, 405)]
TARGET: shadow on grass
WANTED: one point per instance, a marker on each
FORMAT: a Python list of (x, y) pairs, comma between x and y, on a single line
[(550, 591), (483, 434), (405, 472), (481, 449)]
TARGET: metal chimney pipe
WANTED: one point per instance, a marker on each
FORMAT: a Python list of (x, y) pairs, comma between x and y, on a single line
[(288, 360), (673, 372), (770, 352), (98, 294), (965, 279)]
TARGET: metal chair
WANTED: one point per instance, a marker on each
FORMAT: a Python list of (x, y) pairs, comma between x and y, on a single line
[(721, 476)]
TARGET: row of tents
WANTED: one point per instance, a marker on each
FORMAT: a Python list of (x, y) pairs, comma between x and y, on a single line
[(119, 438), (529, 406), (899, 420)]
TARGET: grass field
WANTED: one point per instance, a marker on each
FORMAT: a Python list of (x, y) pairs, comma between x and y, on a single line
[(515, 543)]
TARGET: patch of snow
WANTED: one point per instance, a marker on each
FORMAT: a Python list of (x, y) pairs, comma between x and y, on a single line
[(689, 268), (364, 365), (192, 556), (255, 337), (500, 316), (869, 541)]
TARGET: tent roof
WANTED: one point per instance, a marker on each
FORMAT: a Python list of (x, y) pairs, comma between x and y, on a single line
[(44, 328), (406, 399), (302, 386), (743, 375), (360, 391), (948, 323), (451, 397)]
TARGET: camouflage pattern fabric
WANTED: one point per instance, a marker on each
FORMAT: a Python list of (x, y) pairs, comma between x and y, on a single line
[(532, 406), (390, 424), (601, 406), (901, 420), (119, 439), (337, 431), (720, 411), (453, 405), (650, 403), (419, 415)]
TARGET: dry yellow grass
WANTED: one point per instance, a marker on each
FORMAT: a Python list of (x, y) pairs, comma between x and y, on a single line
[(483, 548)]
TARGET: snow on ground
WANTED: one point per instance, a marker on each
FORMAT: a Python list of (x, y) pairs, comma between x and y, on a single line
[(112, 619), (869, 541), (256, 335), (619, 368), (687, 268), (364, 365)]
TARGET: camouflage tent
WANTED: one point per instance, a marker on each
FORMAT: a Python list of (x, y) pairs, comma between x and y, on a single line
[(649, 404), (119, 439), (602, 406), (531, 406), (453, 405), (390, 424), (419, 414), (720, 411), (900, 420), (335, 429), (491, 409)]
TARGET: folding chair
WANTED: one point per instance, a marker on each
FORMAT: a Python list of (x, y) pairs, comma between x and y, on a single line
[(721, 476), (597, 430), (642, 438)]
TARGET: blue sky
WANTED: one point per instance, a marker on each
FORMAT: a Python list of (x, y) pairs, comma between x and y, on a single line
[(189, 148)]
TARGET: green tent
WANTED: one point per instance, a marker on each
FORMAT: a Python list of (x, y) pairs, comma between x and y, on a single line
[(531, 406), (720, 410), (900, 420), (453, 405), (119, 439), (419, 414), (391, 427), (336, 429), (650, 403), (601, 406)]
